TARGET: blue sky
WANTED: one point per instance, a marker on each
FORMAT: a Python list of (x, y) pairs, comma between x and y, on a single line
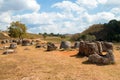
[(58, 16)]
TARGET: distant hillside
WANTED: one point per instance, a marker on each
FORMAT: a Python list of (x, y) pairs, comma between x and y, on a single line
[(98, 30), (94, 29), (109, 31), (106, 32), (4, 35)]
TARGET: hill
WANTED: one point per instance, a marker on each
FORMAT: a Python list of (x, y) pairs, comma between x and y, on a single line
[(4, 35), (98, 30), (106, 32)]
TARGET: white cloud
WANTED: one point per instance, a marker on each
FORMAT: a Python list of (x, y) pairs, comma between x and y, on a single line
[(90, 4), (113, 3), (102, 1), (15, 5), (9, 7), (101, 17), (5, 17), (115, 11), (69, 6), (87, 3)]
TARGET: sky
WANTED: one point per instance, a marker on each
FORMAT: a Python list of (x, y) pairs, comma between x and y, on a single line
[(58, 16)]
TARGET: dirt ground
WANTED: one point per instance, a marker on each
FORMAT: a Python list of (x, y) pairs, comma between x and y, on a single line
[(29, 63)]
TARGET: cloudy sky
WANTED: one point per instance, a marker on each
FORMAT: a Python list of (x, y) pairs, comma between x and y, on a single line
[(58, 16)]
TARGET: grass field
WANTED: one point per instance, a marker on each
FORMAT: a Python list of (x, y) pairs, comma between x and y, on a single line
[(38, 64)]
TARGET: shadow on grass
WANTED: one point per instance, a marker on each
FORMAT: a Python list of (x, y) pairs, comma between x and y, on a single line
[(98, 64), (77, 56)]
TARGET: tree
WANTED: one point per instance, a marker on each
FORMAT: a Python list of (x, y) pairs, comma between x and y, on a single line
[(62, 36), (51, 34), (17, 30), (75, 37), (87, 37), (45, 35), (39, 33)]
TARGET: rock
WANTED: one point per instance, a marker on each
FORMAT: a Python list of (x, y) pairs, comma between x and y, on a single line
[(76, 45), (99, 46), (9, 51), (110, 56), (95, 58), (3, 42), (107, 46), (38, 45), (6, 47), (105, 59), (82, 48), (87, 48), (26, 43), (65, 45), (91, 48), (51, 46), (13, 46), (19, 42)]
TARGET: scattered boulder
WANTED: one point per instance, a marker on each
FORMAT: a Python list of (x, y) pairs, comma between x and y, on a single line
[(107, 46), (33, 42), (51, 46), (19, 42), (13, 46), (38, 45), (105, 59), (82, 48), (95, 58), (86, 48), (26, 43), (9, 51), (6, 47), (65, 45), (3, 42), (76, 44), (91, 48), (99, 46), (7, 41)]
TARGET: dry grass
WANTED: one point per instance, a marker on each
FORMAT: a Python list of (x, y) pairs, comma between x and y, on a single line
[(37, 64)]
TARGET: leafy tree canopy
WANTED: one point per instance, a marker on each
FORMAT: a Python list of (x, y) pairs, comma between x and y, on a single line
[(17, 30)]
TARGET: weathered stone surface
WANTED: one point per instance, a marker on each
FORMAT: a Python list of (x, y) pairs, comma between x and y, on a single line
[(105, 59), (76, 44), (26, 43), (3, 42), (82, 48), (9, 51), (99, 46), (95, 58), (13, 46), (19, 42), (65, 45), (51, 46), (38, 45), (88, 48), (107, 46), (110, 56)]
